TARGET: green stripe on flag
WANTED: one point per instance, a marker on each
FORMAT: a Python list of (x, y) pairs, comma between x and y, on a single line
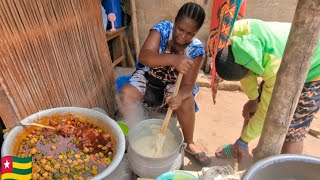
[(22, 160), (22, 171)]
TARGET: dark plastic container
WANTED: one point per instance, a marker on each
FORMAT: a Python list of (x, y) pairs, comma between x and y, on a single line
[(113, 6)]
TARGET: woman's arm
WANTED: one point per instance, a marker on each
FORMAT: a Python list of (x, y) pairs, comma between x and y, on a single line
[(187, 85), (150, 56), (189, 79)]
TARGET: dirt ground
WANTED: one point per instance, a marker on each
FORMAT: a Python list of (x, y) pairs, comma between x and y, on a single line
[(221, 123)]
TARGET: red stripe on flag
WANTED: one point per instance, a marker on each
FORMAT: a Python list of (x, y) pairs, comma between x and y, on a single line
[(6, 164)]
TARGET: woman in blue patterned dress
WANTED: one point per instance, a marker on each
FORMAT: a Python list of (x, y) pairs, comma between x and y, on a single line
[(170, 48)]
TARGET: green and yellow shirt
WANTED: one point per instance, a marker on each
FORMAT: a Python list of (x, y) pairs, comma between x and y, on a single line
[(259, 46)]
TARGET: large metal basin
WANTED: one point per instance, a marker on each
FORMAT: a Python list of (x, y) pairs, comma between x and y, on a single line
[(285, 167), (10, 145), (148, 167)]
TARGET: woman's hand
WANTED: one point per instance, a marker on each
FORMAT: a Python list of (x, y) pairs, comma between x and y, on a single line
[(183, 63), (174, 102), (250, 108)]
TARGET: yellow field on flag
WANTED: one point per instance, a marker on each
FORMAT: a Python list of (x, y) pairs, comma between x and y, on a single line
[(16, 168)]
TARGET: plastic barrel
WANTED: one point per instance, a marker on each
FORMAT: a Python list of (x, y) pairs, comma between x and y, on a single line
[(113, 6)]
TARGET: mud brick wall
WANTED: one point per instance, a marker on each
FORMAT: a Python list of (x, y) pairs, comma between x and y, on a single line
[(149, 12)]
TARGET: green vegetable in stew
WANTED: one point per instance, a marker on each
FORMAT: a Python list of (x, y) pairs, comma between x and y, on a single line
[(75, 150)]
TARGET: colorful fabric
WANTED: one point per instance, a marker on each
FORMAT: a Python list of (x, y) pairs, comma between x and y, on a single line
[(139, 81), (166, 75), (259, 46), (16, 168), (308, 106), (255, 43), (165, 28), (224, 14)]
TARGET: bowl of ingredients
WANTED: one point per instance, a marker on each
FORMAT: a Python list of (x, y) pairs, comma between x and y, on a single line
[(84, 144)]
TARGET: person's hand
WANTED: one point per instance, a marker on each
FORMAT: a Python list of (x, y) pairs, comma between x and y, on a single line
[(240, 151), (183, 63), (249, 109), (174, 102)]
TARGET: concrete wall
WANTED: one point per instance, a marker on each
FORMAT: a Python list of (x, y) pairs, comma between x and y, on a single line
[(149, 12), (271, 10)]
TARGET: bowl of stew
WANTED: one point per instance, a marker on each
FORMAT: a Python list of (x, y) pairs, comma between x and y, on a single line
[(84, 144)]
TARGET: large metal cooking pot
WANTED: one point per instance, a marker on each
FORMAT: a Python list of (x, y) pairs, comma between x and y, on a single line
[(148, 167), (14, 137), (285, 167)]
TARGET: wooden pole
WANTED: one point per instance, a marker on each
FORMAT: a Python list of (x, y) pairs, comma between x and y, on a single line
[(135, 28), (132, 62), (8, 109), (301, 44)]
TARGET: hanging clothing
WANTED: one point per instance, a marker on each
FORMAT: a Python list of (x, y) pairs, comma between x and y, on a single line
[(224, 14)]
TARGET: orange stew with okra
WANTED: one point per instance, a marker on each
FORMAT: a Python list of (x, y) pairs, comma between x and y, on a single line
[(74, 150)]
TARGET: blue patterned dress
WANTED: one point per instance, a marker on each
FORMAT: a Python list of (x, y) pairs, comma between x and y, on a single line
[(165, 28), (167, 75)]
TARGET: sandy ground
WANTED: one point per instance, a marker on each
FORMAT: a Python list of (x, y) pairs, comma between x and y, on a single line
[(221, 123)]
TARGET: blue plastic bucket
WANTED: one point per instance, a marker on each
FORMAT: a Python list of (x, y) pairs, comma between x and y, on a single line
[(176, 175), (113, 6), (122, 80)]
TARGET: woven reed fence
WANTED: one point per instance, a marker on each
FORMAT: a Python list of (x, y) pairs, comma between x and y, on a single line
[(53, 53)]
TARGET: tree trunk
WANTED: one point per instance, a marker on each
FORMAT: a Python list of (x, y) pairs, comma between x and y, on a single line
[(301, 44)]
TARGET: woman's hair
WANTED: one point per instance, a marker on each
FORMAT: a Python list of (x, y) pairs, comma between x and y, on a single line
[(193, 11), (227, 68)]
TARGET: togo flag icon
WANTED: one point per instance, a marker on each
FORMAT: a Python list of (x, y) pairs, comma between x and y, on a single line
[(16, 168)]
